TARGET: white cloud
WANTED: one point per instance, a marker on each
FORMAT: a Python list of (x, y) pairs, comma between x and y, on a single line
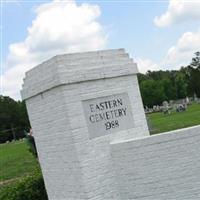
[(146, 64), (178, 55), (179, 11), (181, 53), (59, 27)]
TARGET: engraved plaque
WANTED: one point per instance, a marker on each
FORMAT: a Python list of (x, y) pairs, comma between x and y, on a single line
[(108, 114)]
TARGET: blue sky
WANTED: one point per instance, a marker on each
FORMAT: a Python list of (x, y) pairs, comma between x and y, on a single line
[(126, 24), (157, 34)]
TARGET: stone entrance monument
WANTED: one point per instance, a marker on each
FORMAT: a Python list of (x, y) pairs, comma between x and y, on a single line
[(78, 104), (92, 137)]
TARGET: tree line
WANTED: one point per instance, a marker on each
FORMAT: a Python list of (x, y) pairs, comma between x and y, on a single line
[(159, 86), (13, 119)]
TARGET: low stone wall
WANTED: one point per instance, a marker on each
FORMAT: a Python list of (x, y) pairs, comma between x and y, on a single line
[(164, 166), (86, 141), (65, 97)]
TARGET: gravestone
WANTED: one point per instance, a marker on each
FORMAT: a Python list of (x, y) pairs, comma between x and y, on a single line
[(77, 105), (166, 108)]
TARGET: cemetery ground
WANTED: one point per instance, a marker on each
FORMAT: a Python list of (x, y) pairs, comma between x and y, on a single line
[(167, 122), (16, 161)]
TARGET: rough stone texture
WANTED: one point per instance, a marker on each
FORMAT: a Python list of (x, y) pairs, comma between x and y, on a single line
[(128, 164), (74, 166), (164, 166), (80, 67)]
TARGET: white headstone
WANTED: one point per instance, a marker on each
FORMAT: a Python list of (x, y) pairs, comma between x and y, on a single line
[(78, 104)]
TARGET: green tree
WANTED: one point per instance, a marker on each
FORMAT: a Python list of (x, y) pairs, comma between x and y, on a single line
[(152, 92), (8, 113), (194, 75), (169, 89), (174, 84), (13, 118), (196, 60), (23, 115), (181, 85)]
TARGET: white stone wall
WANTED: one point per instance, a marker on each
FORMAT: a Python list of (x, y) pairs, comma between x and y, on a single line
[(126, 164), (74, 166), (164, 166), (74, 68), (57, 153)]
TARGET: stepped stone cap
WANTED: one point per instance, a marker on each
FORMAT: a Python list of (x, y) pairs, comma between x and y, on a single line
[(76, 68)]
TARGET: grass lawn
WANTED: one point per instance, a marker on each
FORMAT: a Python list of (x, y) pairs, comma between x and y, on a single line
[(162, 123), (15, 161)]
